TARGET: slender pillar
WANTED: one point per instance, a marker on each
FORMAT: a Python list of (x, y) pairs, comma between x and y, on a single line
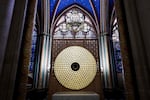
[(43, 71), (41, 75), (104, 48)]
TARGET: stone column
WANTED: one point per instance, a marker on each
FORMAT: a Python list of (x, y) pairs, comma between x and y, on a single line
[(41, 75), (104, 45)]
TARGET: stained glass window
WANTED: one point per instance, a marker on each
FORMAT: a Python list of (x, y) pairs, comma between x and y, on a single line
[(116, 45), (33, 48), (74, 25)]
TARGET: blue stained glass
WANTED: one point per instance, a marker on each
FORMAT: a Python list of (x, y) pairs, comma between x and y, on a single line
[(119, 67), (96, 4), (118, 56), (52, 7), (32, 58), (83, 3), (34, 40), (34, 34), (117, 46), (33, 48), (66, 3), (111, 5), (118, 60), (31, 66)]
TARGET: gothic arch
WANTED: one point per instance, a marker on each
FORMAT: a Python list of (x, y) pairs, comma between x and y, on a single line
[(60, 44), (55, 19)]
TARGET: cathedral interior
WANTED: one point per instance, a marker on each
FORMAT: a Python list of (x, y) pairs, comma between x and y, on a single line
[(74, 50)]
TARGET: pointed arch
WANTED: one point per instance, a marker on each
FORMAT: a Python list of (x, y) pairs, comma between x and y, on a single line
[(75, 6)]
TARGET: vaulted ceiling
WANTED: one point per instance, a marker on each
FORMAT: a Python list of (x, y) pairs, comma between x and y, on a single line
[(91, 6)]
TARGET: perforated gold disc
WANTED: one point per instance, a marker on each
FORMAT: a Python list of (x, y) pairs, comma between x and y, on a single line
[(75, 67)]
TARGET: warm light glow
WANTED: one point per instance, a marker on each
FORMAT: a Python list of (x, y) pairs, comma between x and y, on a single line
[(80, 77)]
